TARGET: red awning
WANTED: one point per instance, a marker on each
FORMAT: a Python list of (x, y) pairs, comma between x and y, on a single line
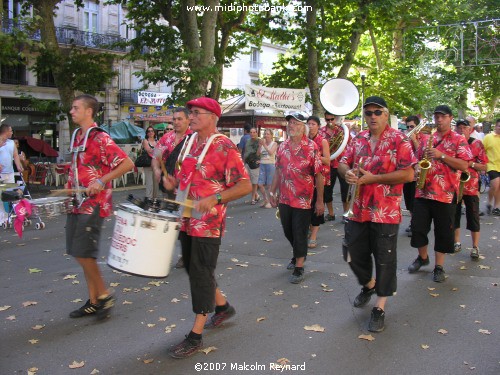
[(41, 146)]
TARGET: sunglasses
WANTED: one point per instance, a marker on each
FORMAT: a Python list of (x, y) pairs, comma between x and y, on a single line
[(151, 131), (410, 126), (329, 119), (377, 112), (170, 128)]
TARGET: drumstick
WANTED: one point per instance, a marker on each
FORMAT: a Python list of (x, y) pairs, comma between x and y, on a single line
[(185, 204)]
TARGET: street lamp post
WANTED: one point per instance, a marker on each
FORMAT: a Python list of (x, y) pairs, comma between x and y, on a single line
[(363, 77)]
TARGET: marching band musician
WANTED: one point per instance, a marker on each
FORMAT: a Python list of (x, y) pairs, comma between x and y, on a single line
[(313, 122), (470, 188), (298, 171), (383, 157), (436, 201), (169, 142), (212, 174), (94, 168), (332, 130)]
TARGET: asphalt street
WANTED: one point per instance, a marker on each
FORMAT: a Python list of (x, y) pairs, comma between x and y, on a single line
[(431, 328)]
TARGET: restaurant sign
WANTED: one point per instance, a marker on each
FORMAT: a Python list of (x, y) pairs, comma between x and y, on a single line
[(259, 97), (152, 98)]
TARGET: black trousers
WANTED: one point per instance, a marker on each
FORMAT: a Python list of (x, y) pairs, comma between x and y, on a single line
[(295, 223), (409, 190), (364, 240), (200, 259)]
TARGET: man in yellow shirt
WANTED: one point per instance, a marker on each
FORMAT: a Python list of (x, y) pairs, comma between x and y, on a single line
[(491, 144)]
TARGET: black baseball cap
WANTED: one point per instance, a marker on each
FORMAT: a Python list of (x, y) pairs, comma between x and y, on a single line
[(444, 109), (297, 116), (463, 121), (377, 100)]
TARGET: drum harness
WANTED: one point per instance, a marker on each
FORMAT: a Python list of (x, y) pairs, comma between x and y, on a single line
[(79, 196)]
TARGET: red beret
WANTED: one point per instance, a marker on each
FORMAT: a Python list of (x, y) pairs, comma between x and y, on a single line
[(206, 103)]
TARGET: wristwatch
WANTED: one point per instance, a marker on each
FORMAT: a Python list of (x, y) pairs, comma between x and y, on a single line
[(219, 198), (472, 165)]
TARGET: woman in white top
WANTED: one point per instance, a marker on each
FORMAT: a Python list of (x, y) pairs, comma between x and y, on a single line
[(267, 152)]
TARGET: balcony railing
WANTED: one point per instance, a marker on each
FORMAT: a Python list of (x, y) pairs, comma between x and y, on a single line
[(67, 35), (128, 96), (255, 66), (13, 75)]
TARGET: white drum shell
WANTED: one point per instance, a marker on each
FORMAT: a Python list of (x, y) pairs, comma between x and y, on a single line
[(143, 242)]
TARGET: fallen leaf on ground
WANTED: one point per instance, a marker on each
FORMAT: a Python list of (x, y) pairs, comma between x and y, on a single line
[(454, 289), (114, 285), (38, 327), (75, 282), (424, 346), (11, 317), (76, 364), (429, 288), (69, 277), (275, 265), (261, 319), (477, 321), (126, 302), (294, 306), (283, 361), (434, 294), (442, 331), (208, 350), (266, 239), (125, 290), (462, 306), (234, 260), (484, 267), (463, 268), (162, 319), (151, 325), (278, 293), (32, 370), (366, 337), (343, 274), (155, 283), (29, 303), (484, 331), (324, 285), (3, 308), (315, 328), (175, 300), (33, 341), (241, 265), (327, 290), (34, 270), (77, 300), (149, 360), (94, 372)]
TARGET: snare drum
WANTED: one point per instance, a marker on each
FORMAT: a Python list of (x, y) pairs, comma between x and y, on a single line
[(51, 206), (143, 242)]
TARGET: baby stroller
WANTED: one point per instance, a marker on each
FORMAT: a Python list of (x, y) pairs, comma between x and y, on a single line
[(10, 197)]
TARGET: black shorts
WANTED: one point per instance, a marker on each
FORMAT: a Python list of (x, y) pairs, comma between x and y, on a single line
[(316, 220), (409, 190), (200, 259), (83, 233), (328, 190), (471, 213), (426, 211), (493, 174), (364, 240)]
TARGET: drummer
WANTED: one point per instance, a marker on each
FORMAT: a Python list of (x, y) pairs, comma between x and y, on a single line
[(94, 169), (219, 179)]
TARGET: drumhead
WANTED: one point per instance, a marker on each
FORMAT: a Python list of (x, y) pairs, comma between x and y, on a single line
[(49, 200), (161, 215)]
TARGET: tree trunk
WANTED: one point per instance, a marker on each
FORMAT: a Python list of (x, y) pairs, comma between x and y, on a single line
[(312, 56), (380, 66), (397, 37)]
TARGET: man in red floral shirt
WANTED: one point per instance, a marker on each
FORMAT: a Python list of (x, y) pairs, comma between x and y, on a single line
[(384, 158), (298, 170), (333, 129), (436, 201), (470, 190), (211, 175), (93, 170)]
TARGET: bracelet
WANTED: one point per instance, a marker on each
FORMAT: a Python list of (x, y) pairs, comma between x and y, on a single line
[(100, 182), (219, 198), (472, 165)]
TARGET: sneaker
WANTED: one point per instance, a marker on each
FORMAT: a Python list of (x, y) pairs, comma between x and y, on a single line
[(438, 274), (218, 318), (297, 276), (495, 212), (329, 217), (344, 220), (364, 297), (377, 320), (105, 306), (180, 263), (85, 310), (186, 348), (417, 263), (481, 213), (457, 247), (291, 265), (474, 253), (488, 209)]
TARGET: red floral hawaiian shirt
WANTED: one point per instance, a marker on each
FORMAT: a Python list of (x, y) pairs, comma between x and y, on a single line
[(318, 139), (101, 155), (298, 168), (471, 187), (379, 203), (328, 134), (442, 181), (221, 168), (166, 144)]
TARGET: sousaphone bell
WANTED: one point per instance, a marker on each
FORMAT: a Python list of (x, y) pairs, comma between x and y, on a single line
[(339, 97)]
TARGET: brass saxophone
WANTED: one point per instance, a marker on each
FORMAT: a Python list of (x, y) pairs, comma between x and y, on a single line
[(464, 177), (353, 193), (424, 165)]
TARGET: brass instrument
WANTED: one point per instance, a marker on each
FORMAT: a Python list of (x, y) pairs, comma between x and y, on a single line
[(424, 165), (464, 177), (417, 128), (353, 193), (339, 97)]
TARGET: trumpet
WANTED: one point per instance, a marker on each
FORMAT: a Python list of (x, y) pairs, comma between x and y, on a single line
[(464, 177), (417, 128), (424, 165), (353, 193)]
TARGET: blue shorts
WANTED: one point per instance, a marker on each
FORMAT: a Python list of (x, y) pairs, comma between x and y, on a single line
[(266, 174)]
